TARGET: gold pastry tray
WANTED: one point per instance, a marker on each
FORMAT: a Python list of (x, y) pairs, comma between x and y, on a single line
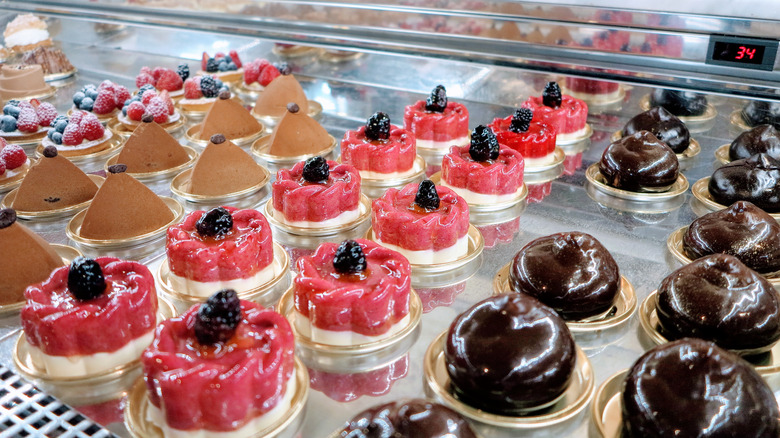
[(274, 162), (701, 192), (250, 195), (364, 208), (595, 178)]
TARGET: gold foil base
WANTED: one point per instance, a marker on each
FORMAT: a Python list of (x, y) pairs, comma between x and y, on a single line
[(739, 121), (605, 411), (722, 154), (181, 181), (595, 178), (49, 214), (275, 162), (701, 192)]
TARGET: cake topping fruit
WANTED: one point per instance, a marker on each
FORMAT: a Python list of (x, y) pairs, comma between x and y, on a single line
[(378, 126), (521, 120), (183, 70), (218, 317), (316, 170), (147, 118), (552, 96), (349, 258), (117, 168), (224, 94), (484, 145), (217, 139), (293, 107), (50, 152), (221, 62), (284, 68), (103, 99), (427, 197), (437, 101), (8, 217), (85, 279), (216, 222), (208, 86), (12, 156)]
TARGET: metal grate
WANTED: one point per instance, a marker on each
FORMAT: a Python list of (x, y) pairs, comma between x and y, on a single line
[(26, 411)]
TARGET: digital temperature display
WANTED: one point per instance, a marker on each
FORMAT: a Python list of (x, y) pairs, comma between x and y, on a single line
[(742, 52)]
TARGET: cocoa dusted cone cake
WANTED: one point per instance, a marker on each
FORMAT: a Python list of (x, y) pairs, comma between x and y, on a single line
[(229, 118), (25, 259), (20, 81), (53, 183), (124, 208), (272, 102), (298, 134), (151, 149), (223, 168)]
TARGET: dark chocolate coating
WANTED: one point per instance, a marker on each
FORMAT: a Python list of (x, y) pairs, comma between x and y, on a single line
[(693, 389), (414, 418), (509, 353), (755, 179), (719, 299), (639, 161), (762, 112), (570, 272), (679, 103), (742, 230), (664, 125), (762, 138)]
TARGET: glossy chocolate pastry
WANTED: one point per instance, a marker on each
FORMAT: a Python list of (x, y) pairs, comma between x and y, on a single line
[(414, 418), (719, 299), (692, 388), (509, 353), (664, 125), (639, 162), (742, 230), (755, 179), (679, 103), (762, 112), (761, 139), (570, 272)]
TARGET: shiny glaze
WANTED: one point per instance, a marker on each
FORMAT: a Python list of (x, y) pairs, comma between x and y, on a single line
[(762, 138), (761, 112), (755, 179), (508, 353), (639, 161), (664, 125), (742, 230), (719, 299), (570, 272), (692, 388), (414, 418), (679, 103)]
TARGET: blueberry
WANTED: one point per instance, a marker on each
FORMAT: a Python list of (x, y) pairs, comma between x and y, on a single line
[(7, 123), (61, 125), (87, 104), (56, 137), (78, 97), (521, 120), (378, 126), (427, 197), (222, 67), (224, 88), (57, 120), (7, 108), (13, 102), (124, 110), (216, 222), (316, 170), (85, 279), (183, 70), (226, 60), (551, 96), (283, 67), (218, 317), (92, 93), (232, 66), (218, 82), (437, 101), (12, 111), (484, 145), (127, 102), (349, 258), (136, 98), (212, 65), (144, 89), (49, 134)]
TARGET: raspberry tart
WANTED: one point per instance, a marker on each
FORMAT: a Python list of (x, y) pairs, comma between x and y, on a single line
[(90, 317), (105, 101), (25, 122), (379, 150), (164, 79), (259, 73), (436, 122), (484, 172), (80, 134), (567, 114), (224, 368), (227, 68), (316, 193), (200, 93), (149, 101), (14, 165), (533, 139), (221, 248), (425, 223)]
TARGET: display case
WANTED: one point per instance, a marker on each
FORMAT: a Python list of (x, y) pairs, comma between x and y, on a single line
[(356, 58)]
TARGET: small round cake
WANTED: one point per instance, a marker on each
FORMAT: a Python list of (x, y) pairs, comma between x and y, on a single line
[(412, 418), (571, 272), (761, 139), (591, 89), (693, 388), (567, 114), (639, 162), (742, 230), (665, 127), (80, 134), (438, 123), (380, 150), (534, 139), (164, 79), (755, 179), (679, 103), (508, 354), (762, 112), (719, 299)]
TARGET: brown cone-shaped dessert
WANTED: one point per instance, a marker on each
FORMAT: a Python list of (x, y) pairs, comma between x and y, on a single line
[(53, 183), (298, 134), (639, 161), (151, 149), (229, 118), (19, 81), (124, 208), (25, 258), (272, 102), (223, 168)]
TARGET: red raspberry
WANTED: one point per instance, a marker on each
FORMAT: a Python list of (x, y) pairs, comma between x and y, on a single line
[(136, 110), (146, 70), (204, 60), (3, 143), (2, 166), (72, 135), (13, 156), (166, 98), (147, 97), (106, 85), (91, 128), (122, 94), (158, 109), (251, 72), (25, 104), (170, 81), (234, 56), (105, 102), (76, 117), (27, 121), (268, 74), (144, 79), (192, 88), (157, 72), (46, 113)]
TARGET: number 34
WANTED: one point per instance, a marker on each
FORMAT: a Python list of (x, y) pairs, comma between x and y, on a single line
[(745, 52)]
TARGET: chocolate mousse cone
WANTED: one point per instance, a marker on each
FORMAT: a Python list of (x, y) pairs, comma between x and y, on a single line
[(229, 118), (272, 102), (298, 134), (18, 81), (124, 208), (53, 183), (223, 168), (150, 149)]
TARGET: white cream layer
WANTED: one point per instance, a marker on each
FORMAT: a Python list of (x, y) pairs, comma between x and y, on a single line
[(205, 289), (82, 365), (26, 36), (431, 144), (367, 174), (429, 256), (540, 161), (84, 144), (472, 197), (251, 428), (571, 135), (344, 218), (612, 95), (342, 338)]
